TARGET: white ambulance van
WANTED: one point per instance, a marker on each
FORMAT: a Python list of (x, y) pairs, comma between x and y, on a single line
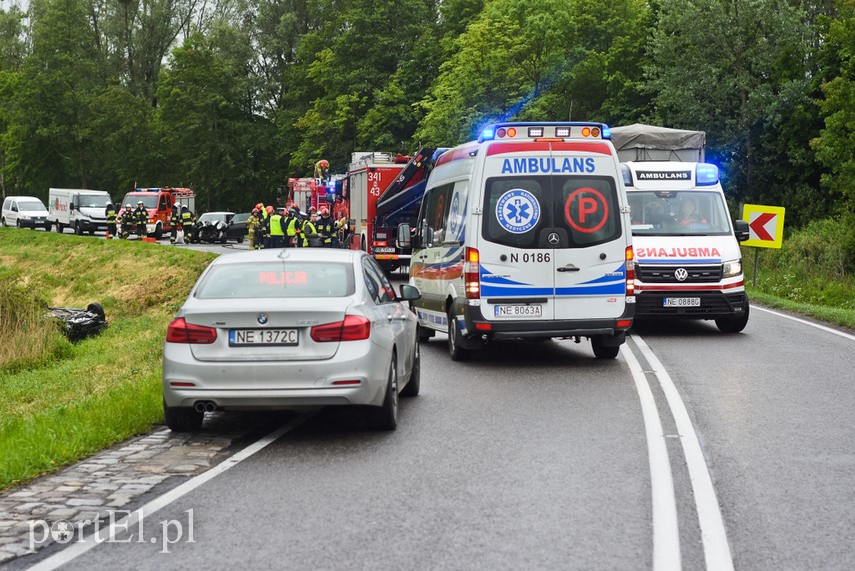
[(688, 264), (525, 233), (81, 210)]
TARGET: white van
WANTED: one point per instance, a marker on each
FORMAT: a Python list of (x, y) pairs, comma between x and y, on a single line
[(688, 264), (79, 209), (24, 212), (525, 233)]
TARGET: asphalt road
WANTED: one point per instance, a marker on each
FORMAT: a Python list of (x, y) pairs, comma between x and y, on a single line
[(536, 454)]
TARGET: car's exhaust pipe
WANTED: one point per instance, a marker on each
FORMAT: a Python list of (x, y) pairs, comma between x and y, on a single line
[(205, 406)]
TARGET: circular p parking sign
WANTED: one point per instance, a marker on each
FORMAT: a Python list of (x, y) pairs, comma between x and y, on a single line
[(586, 210)]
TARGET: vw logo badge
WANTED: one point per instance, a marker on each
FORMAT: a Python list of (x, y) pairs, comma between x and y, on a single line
[(681, 274), (262, 318), (553, 239)]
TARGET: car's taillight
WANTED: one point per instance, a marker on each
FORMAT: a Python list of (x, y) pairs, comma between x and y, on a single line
[(353, 328), (630, 271), (179, 331), (471, 270)]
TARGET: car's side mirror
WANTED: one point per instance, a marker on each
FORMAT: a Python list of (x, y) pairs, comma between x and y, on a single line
[(404, 240), (741, 228), (410, 292), (72, 206)]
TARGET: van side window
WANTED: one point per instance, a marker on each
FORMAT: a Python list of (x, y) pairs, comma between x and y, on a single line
[(434, 217)]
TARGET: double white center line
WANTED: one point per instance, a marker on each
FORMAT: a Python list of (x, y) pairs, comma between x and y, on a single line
[(666, 537)]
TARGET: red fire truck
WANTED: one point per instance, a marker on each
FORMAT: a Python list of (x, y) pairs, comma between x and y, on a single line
[(385, 192), (305, 193), (158, 202)]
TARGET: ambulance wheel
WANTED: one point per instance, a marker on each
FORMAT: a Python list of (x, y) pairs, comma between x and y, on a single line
[(601, 351), (733, 324), (455, 351)]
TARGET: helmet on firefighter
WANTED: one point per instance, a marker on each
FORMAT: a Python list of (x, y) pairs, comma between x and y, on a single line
[(312, 209), (139, 202), (325, 211), (259, 206), (256, 212), (128, 205), (270, 210), (324, 163)]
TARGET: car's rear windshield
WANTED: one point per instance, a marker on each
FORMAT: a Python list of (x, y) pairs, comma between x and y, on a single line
[(31, 206), (277, 280)]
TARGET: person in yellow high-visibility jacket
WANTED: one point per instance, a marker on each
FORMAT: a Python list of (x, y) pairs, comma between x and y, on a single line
[(322, 170), (277, 236)]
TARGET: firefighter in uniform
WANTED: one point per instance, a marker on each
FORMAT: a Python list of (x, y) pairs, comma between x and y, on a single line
[(322, 169), (175, 222), (342, 228), (326, 228), (126, 219), (309, 236), (268, 213), (252, 226), (277, 236), (110, 215), (141, 218), (187, 223), (293, 227)]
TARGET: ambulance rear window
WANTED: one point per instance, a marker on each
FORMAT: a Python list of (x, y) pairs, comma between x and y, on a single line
[(551, 211)]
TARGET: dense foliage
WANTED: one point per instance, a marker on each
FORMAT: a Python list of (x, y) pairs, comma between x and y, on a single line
[(231, 97)]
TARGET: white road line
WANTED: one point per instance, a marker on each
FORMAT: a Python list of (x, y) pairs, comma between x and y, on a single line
[(716, 548), (133, 519), (806, 322), (666, 535)]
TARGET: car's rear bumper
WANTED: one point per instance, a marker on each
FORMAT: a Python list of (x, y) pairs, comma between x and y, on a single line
[(276, 385)]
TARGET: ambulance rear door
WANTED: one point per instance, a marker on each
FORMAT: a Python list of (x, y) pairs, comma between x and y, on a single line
[(588, 234), (516, 261)]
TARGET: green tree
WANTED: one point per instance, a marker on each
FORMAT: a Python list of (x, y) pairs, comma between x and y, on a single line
[(835, 146), (725, 67), (211, 137)]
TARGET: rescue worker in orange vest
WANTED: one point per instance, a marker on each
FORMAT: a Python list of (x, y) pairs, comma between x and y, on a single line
[(326, 228), (110, 215)]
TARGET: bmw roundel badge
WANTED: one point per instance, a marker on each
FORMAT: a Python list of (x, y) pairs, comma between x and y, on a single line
[(262, 318)]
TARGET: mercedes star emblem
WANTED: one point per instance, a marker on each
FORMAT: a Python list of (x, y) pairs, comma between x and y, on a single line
[(553, 239), (262, 318), (681, 274)]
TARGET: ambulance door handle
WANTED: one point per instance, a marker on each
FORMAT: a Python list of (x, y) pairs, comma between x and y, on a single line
[(568, 268)]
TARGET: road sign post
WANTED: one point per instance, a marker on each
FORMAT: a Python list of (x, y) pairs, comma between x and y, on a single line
[(765, 229)]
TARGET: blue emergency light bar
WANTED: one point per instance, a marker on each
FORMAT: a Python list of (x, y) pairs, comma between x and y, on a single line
[(559, 130), (706, 174)]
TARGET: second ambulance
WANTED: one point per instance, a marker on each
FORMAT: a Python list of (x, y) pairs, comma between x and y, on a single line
[(688, 264), (525, 233)]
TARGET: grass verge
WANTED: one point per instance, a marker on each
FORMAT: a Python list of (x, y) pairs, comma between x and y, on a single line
[(65, 403)]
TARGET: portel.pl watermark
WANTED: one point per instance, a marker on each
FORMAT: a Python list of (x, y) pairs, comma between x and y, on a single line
[(113, 527)]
